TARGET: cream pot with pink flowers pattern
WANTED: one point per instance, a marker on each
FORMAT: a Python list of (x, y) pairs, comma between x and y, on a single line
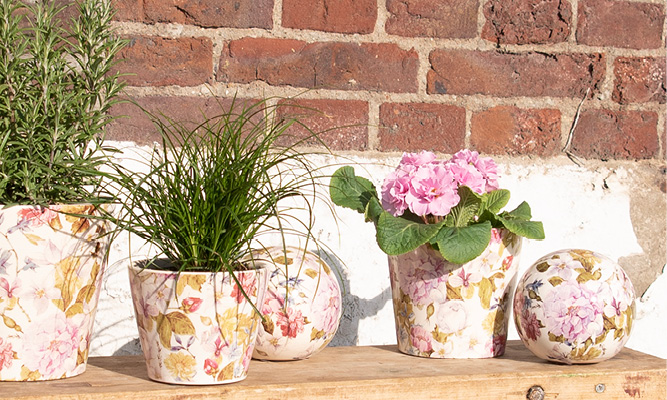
[(575, 307), (452, 250)]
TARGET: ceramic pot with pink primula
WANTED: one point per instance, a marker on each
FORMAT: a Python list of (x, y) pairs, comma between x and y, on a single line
[(453, 253)]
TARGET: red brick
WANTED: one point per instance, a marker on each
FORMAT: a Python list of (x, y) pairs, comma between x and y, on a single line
[(347, 66), (432, 18), (158, 61), (464, 72), (211, 13), (620, 24), (514, 131), (342, 16), (128, 10), (134, 124), (639, 80), (340, 124), (527, 21), (606, 134), (421, 126)]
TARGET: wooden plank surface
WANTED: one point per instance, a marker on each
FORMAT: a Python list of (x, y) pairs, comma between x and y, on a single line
[(372, 372)]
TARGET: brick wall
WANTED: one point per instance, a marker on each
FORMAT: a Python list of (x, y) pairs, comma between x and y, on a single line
[(503, 77)]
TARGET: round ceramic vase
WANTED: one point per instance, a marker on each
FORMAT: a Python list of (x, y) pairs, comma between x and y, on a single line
[(574, 307), (447, 310), (51, 267), (303, 306), (197, 328)]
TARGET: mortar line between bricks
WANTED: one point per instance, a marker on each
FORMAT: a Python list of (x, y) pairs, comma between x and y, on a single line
[(174, 31), (373, 125), (572, 37), (277, 14), (381, 19), (481, 19)]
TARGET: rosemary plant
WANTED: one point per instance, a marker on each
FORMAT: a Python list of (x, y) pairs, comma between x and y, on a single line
[(56, 87), (208, 192)]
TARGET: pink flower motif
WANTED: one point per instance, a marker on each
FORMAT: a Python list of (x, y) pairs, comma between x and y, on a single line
[(210, 367), (6, 354), (326, 305), (530, 325), (38, 216), (573, 311), (496, 237), (417, 159), (394, 189), (249, 284), (507, 262), (247, 356), (433, 191), (52, 347), (421, 278), (461, 278), (191, 304), (291, 322), (499, 343), (420, 338), (7, 290)]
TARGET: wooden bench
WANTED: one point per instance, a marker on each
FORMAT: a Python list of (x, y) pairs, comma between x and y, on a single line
[(374, 372)]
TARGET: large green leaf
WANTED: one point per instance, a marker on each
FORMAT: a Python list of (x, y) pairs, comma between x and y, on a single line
[(464, 212), (373, 210), (527, 229), (398, 235), (521, 212), (495, 201), (462, 244), (351, 191)]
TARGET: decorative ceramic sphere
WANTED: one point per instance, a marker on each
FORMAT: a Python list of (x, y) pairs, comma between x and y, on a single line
[(574, 307), (303, 305)]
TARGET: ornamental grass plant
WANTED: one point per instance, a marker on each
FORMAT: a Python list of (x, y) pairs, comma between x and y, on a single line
[(56, 87)]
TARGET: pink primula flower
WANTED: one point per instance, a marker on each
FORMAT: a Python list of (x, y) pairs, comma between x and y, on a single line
[(394, 189), (484, 165), (467, 175), (433, 191), (417, 159)]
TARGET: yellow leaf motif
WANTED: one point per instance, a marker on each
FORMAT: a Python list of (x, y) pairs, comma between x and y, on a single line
[(269, 326), (485, 293), (430, 310), (11, 324), (226, 373), (325, 266), (180, 323), (194, 281), (586, 258), (311, 273), (586, 276), (232, 322), (283, 260), (55, 223), (206, 320), (555, 280), (33, 239), (316, 334), (28, 375), (164, 330), (76, 308), (453, 293), (440, 337)]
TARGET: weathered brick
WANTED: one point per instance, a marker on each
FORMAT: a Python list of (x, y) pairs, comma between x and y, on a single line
[(133, 124), (211, 13), (340, 124), (421, 126), (607, 134), (158, 61), (432, 18), (331, 65), (639, 80), (494, 73), (627, 24), (514, 131), (342, 16), (527, 21), (128, 10)]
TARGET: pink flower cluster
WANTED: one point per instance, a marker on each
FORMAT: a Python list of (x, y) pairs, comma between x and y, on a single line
[(426, 186)]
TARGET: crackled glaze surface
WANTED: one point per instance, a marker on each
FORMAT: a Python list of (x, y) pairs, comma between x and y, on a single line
[(51, 266), (446, 310), (303, 306), (197, 328), (574, 306)]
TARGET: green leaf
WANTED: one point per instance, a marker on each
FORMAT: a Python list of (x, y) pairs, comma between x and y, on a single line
[(373, 210), (495, 201), (348, 190), (527, 229), (521, 212), (398, 235), (464, 212), (462, 244)]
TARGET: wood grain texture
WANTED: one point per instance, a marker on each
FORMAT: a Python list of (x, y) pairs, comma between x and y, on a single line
[(372, 372)]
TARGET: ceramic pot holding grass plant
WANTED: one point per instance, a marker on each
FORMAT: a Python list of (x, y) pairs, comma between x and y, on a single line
[(56, 86), (452, 250), (204, 199), (303, 305), (197, 328)]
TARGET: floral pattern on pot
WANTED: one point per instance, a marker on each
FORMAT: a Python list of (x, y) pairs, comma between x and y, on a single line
[(574, 307), (447, 310), (51, 266), (197, 328), (303, 306)]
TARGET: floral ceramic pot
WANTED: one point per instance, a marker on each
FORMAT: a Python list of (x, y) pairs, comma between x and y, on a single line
[(197, 328), (51, 266), (303, 306), (447, 310), (574, 307)]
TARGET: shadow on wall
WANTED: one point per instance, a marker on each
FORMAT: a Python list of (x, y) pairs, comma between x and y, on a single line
[(355, 308)]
